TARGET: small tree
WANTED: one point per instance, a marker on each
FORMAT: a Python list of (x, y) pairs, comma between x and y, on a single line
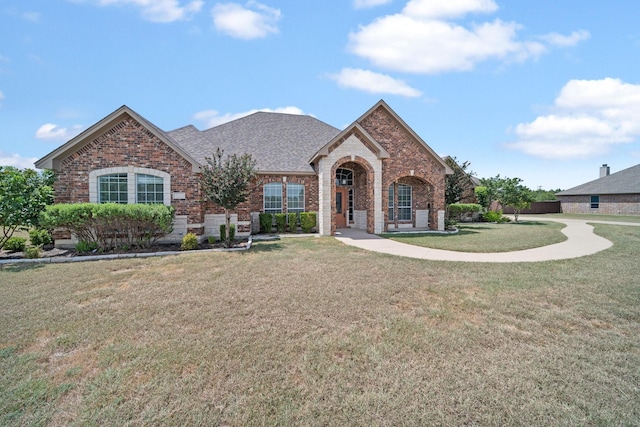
[(459, 182), (23, 195), (515, 195), (227, 183)]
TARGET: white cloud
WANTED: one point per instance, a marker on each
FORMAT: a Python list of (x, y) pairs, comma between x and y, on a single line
[(425, 38), (371, 82), (365, 4), (212, 118), (15, 160), (560, 40), (589, 118), (158, 10), (52, 132), (251, 21)]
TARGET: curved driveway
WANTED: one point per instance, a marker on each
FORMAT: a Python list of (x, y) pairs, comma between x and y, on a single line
[(580, 241)]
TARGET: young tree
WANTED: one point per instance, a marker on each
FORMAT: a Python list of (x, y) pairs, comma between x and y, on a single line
[(457, 183), (227, 183), (23, 195), (492, 189), (516, 195)]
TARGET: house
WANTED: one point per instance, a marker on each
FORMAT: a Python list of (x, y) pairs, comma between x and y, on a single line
[(617, 194), (377, 174)]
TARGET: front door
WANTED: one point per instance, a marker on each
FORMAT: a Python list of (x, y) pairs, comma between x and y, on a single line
[(342, 207)]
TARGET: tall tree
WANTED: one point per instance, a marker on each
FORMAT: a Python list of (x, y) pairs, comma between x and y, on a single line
[(23, 195), (227, 182), (515, 195), (457, 183)]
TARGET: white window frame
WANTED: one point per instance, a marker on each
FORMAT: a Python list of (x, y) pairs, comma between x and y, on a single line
[(270, 185), (131, 171), (297, 186), (403, 207)]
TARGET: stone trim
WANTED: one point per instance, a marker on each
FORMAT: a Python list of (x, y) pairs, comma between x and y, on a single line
[(131, 172)]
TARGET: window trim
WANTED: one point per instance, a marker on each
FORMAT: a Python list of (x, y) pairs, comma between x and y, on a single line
[(131, 171), (264, 198)]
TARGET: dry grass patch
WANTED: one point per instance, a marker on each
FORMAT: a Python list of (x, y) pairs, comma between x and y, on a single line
[(312, 332)]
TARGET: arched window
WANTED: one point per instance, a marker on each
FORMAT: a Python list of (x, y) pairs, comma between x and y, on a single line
[(344, 177), (129, 184)]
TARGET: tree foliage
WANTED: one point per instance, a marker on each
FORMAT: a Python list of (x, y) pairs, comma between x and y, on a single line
[(459, 182), (227, 182), (24, 193), (508, 192)]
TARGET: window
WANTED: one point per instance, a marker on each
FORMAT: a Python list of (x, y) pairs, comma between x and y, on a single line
[(113, 188), (129, 184), (595, 202), (149, 189), (404, 203), (344, 177), (295, 198), (273, 198)]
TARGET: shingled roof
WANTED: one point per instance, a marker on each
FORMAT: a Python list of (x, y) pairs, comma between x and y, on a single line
[(279, 142), (626, 181)]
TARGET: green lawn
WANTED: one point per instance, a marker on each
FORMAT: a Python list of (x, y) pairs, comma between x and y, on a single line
[(313, 332), (487, 237)]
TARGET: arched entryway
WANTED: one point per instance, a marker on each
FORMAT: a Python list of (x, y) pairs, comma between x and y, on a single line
[(352, 195), (409, 201)]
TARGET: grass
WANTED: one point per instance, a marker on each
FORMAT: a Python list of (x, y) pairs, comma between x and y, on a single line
[(487, 237), (312, 332)]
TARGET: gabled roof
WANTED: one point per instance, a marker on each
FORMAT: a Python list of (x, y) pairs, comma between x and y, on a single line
[(52, 160), (354, 127), (381, 103), (278, 142), (626, 181)]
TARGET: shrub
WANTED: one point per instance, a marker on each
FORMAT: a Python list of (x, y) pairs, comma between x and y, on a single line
[(293, 222), (211, 239), (32, 252), (266, 222), (232, 231), (189, 242), (460, 211), (40, 237), (83, 246), (281, 221), (494, 216), (15, 244), (111, 225), (307, 221)]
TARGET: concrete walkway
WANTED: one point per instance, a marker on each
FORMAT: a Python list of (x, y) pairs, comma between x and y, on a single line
[(580, 241)]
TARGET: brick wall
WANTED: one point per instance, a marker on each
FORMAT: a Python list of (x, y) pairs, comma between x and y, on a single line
[(407, 154), (610, 204), (128, 143)]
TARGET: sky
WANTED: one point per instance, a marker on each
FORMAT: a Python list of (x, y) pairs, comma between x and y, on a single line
[(546, 90)]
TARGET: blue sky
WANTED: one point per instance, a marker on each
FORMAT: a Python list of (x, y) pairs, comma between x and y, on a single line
[(543, 90)]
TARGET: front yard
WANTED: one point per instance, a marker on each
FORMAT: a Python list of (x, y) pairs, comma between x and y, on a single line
[(312, 332)]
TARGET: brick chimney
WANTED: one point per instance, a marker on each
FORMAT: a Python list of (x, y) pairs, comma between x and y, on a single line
[(604, 170)]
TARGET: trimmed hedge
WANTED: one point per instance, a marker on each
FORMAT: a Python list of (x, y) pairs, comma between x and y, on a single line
[(266, 222), (292, 221), (223, 232), (111, 225), (307, 221), (459, 210), (281, 222)]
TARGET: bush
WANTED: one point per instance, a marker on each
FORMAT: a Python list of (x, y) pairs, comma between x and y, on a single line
[(281, 222), (292, 222), (460, 211), (307, 221), (189, 242), (111, 225), (495, 216), (32, 252), (40, 237), (232, 231), (211, 239), (266, 222), (15, 244), (83, 246)]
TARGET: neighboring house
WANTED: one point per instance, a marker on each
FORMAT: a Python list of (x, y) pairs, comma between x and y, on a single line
[(617, 193), (376, 175)]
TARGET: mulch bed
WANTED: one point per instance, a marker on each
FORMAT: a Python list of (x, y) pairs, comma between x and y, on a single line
[(52, 252)]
